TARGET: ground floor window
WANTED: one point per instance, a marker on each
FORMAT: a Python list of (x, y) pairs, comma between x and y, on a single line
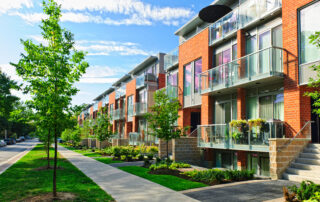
[(226, 159), (259, 162)]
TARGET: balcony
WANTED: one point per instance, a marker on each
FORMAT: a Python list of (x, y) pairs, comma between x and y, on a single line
[(222, 136), (145, 79), (258, 66), (171, 59), (118, 114), (139, 139), (120, 92), (140, 108), (130, 112), (247, 13), (171, 91)]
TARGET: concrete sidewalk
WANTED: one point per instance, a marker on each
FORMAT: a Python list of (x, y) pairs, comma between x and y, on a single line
[(121, 185)]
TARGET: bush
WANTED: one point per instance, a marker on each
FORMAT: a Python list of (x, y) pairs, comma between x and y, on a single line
[(150, 156), (116, 151), (171, 166), (308, 190), (217, 176), (140, 157), (123, 157)]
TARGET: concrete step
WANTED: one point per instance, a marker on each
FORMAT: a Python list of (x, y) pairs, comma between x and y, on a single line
[(311, 150), (314, 146), (308, 161), (310, 155), (299, 178), (304, 166), (307, 173)]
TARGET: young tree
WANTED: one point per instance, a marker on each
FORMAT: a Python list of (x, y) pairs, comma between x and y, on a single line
[(162, 118), (103, 127), (315, 83), (50, 72)]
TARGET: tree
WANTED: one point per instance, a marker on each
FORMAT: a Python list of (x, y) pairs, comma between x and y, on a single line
[(7, 101), (315, 83), (50, 72), (103, 127), (162, 118)]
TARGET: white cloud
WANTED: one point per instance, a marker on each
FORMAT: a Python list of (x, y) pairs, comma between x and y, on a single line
[(98, 80), (29, 17), (7, 5), (102, 71), (10, 71)]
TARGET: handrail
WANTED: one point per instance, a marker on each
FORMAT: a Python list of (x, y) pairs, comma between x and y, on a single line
[(291, 139), (194, 131), (248, 55)]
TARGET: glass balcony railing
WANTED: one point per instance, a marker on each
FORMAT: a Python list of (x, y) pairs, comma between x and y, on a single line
[(247, 12), (121, 92), (140, 108), (171, 91), (259, 65), (222, 136), (105, 100), (118, 114), (95, 106), (136, 138), (171, 58), (143, 79)]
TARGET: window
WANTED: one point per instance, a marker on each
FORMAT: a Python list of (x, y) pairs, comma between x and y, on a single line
[(223, 57), (172, 79), (197, 72), (308, 26), (234, 52), (143, 96), (130, 105), (187, 80)]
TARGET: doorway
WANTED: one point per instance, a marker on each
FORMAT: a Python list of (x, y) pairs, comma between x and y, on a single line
[(195, 120), (315, 126)]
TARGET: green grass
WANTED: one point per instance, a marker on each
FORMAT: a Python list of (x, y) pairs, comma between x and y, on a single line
[(107, 160), (21, 180), (85, 152), (172, 182)]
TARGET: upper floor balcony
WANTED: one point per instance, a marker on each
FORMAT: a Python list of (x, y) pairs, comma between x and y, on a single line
[(262, 65), (171, 59), (222, 136), (171, 91), (95, 106), (246, 14), (118, 114), (146, 79), (120, 92), (140, 108)]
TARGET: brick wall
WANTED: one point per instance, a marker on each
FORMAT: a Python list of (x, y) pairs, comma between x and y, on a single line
[(297, 109), (162, 152), (112, 100), (99, 106), (161, 81), (120, 142), (130, 91), (186, 150)]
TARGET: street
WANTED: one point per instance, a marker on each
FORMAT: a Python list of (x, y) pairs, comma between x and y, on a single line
[(11, 153)]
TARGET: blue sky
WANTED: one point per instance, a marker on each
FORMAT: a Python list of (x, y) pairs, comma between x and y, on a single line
[(117, 34)]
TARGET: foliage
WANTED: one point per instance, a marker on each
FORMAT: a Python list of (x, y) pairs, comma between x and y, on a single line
[(172, 182), (256, 122), (307, 190), (238, 124), (32, 183), (103, 127), (212, 176), (315, 83), (50, 72), (72, 135), (172, 166), (163, 116)]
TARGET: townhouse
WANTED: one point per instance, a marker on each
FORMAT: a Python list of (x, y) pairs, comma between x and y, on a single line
[(253, 62)]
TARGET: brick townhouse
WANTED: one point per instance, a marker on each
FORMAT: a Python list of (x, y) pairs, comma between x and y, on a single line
[(253, 62)]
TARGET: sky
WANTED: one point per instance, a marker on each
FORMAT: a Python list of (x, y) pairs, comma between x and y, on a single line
[(116, 34)]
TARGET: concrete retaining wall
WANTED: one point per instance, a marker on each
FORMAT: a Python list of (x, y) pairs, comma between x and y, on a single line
[(185, 149), (120, 142)]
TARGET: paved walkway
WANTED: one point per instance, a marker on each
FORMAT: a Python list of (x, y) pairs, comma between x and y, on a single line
[(255, 190), (12, 153), (121, 185)]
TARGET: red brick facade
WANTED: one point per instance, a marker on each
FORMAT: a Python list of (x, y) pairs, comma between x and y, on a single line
[(130, 91)]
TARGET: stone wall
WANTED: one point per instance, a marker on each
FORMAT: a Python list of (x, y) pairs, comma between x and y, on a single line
[(103, 144), (84, 142), (185, 149), (120, 142), (281, 156), (162, 152)]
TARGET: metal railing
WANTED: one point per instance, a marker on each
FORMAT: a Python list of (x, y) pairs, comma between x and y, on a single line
[(222, 136), (121, 91), (118, 114), (171, 59), (130, 110), (246, 13), (258, 65)]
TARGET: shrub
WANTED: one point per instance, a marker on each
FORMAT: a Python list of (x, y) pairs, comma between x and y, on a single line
[(116, 151), (152, 150), (171, 166), (140, 157), (123, 157), (146, 163), (129, 158), (307, 190), (150, 156)]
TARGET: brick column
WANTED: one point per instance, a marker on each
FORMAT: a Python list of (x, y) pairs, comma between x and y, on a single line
[(241, 104), (242, 160)]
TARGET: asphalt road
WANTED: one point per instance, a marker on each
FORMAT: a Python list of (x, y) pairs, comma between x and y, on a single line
[(10, 151)]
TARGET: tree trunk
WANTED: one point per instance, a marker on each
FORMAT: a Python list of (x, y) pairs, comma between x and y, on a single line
[(48, 149), (55, 163), (167, 154)]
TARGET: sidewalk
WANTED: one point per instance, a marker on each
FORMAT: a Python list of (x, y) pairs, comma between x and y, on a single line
[(121, 185)]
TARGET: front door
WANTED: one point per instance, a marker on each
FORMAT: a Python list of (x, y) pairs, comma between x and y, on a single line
[(315, 126), (195, 120)]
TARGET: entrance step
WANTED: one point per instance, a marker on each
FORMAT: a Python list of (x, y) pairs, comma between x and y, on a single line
[(299, 178)]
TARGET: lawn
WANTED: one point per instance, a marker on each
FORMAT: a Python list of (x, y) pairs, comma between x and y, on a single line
[(107, 160), (172, 182), (85, 152), (21, 180)]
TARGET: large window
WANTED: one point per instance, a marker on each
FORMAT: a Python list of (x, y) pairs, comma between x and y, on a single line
[(309, 24), (197, 72), (187, 80), (172, 79), (223, 57)]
